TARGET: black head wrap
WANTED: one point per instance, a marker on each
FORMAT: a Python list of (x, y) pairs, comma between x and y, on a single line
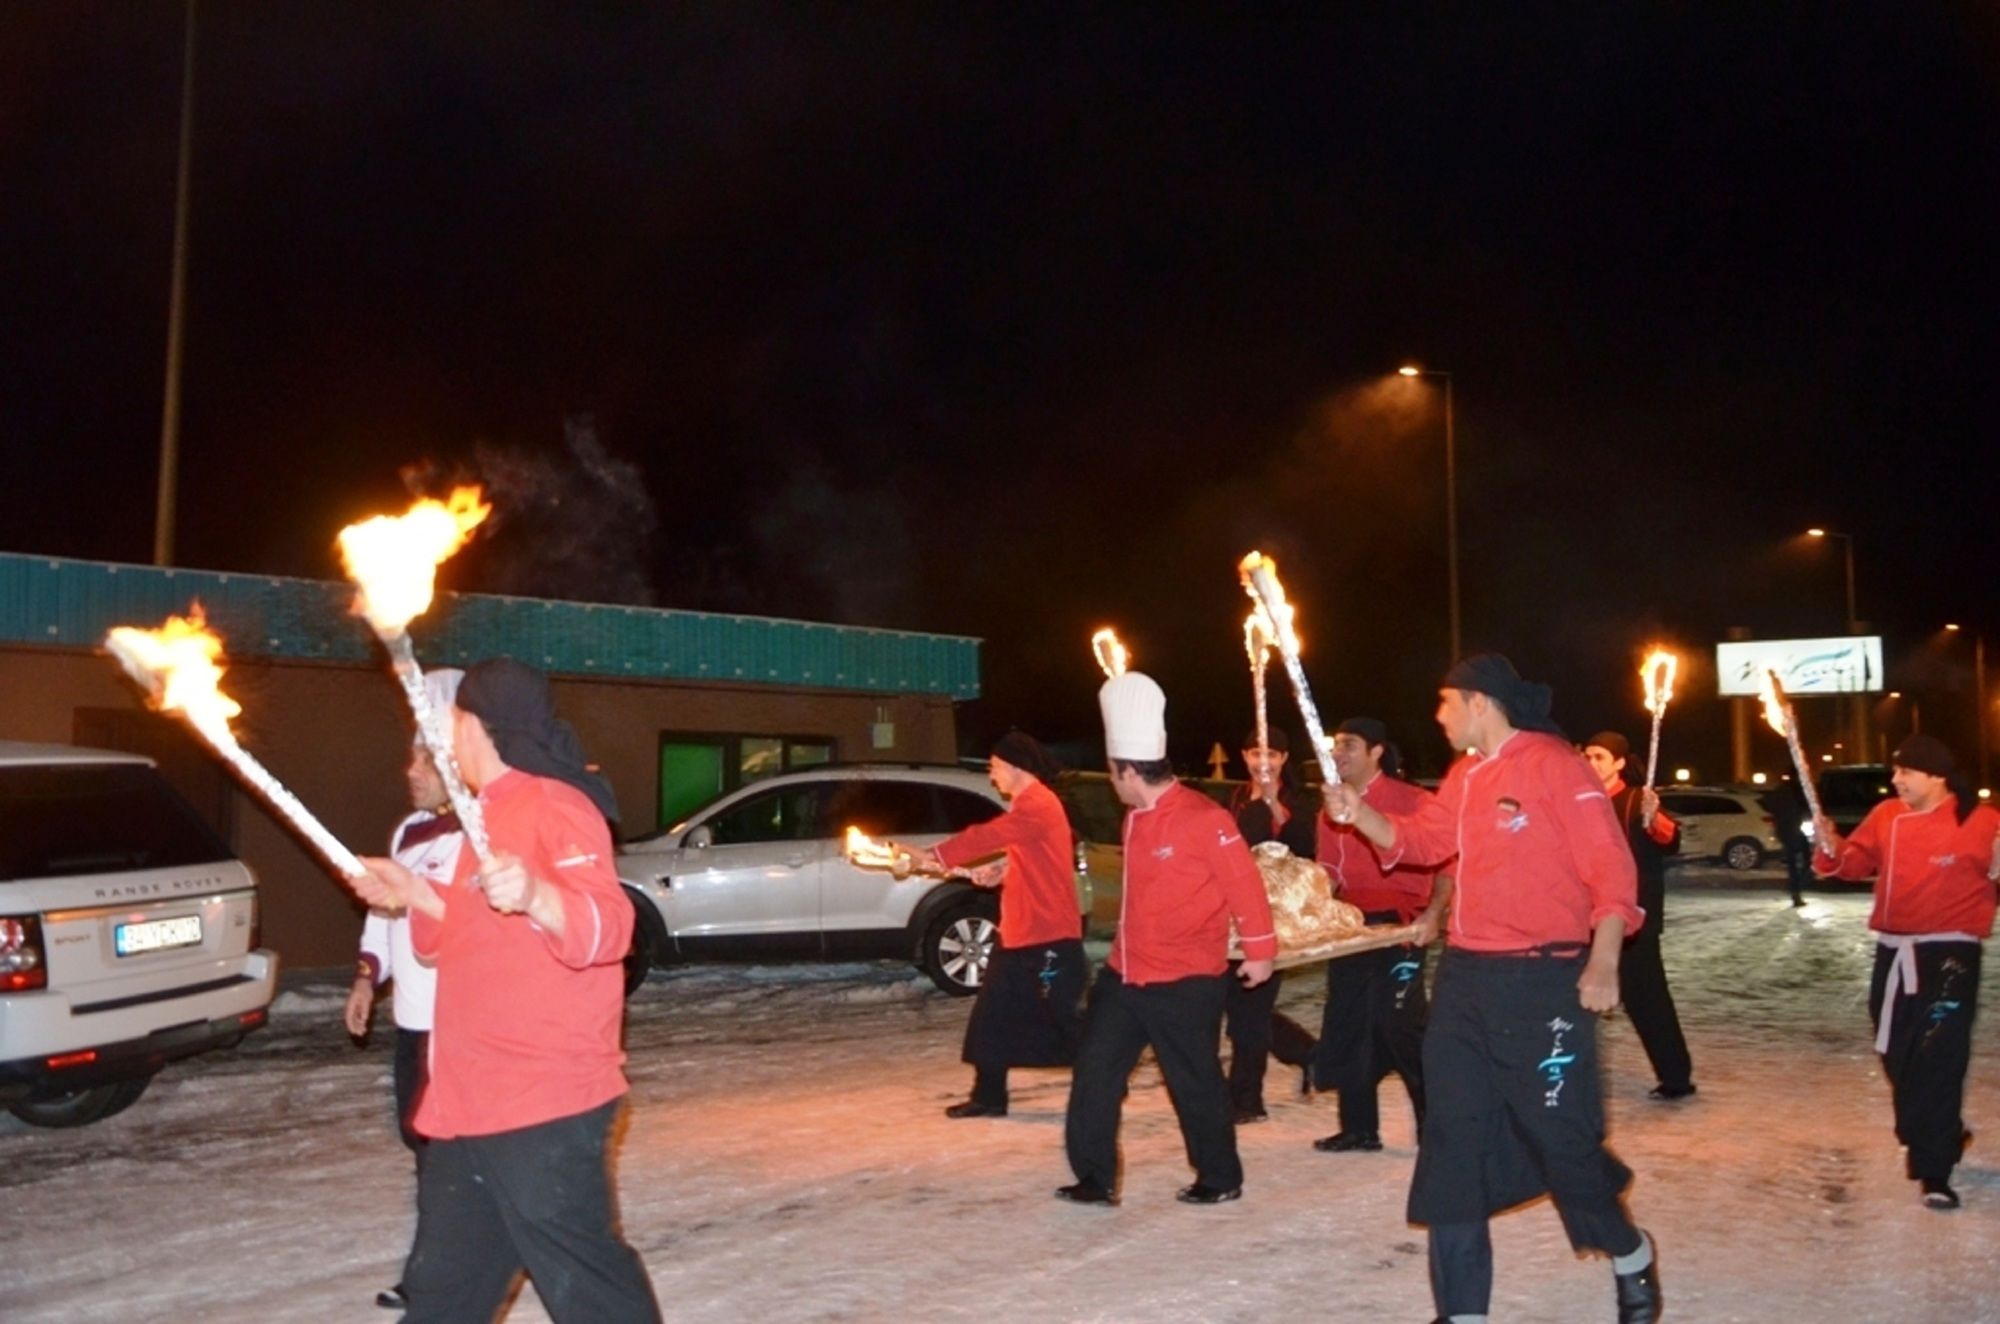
[(1927, 754), (1617, 746), (1525, 702), (1026, 753), (1276, 738), (519, 712)]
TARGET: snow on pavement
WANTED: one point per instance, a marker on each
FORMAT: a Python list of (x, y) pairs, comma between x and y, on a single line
[(785, 1158)]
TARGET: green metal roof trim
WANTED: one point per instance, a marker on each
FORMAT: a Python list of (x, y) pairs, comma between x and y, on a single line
[(71, 604)]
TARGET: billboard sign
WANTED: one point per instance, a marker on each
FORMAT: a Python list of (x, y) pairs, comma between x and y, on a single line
[(1847, 664)]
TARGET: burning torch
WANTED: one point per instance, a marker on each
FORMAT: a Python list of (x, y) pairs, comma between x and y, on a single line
[(393, 561), (1778, 712), (179, 666), (1110, 653), (1658, 675), (1260, 580)]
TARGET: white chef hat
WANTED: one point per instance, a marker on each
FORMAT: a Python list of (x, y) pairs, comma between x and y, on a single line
[(442, 685), (1135, 717)]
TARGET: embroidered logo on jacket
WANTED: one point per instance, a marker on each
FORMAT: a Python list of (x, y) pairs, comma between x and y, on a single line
[(1510, 819), (1163, 852)]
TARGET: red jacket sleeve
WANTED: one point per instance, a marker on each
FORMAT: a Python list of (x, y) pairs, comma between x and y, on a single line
[(1243, 892), (575, 853), (1860, 852), (1427, 836), (983, 839), (1597, 844)]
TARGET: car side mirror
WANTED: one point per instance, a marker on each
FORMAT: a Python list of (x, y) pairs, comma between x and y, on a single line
[(698, 838)]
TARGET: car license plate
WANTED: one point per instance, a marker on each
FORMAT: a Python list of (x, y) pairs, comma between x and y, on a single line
[(157, 935)]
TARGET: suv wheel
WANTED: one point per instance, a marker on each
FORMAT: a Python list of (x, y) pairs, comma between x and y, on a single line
[(958, 942), (1742, 853), (648, 944), (82, 1107)]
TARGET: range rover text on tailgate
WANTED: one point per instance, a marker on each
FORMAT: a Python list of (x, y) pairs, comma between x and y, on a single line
[(128, 933)]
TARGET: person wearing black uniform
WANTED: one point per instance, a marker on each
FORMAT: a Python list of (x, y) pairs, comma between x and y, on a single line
[(1786, 804), (1267, 808), (1642, 977)]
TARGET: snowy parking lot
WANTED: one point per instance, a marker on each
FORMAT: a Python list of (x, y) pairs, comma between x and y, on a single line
[(785, 1158)]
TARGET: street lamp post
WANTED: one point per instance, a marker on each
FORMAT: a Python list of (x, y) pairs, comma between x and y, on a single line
[(1450, 495), (1979, 713), (1860, 709)]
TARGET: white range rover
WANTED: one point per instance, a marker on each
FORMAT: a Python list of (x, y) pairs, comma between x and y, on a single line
[(127, 933)]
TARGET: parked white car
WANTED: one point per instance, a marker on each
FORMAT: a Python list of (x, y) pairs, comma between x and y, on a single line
[(1730, 826), (760, 873), (128, 933)]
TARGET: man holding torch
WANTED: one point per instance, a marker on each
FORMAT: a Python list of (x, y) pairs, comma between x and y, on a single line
[(1187, 873), (1544, 893), (1376, 1007), (1642, 976), (1934, 854), (1025, 1014), (525, 1056)]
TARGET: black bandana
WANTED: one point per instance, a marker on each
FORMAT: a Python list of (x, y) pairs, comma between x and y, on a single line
[(1525, 702), (519, 711)]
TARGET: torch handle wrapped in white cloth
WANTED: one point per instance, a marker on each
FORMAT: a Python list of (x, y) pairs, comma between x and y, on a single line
[(1653, 747), (1806, 786), (430, 726), (279, 797), (1271, 598)]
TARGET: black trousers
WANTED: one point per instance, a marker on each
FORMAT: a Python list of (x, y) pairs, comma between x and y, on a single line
[(1026, 1014), (1930, 1045), (1257, 1031), (1179, 1021), (1376, 1011), (1516, 1110), (1649, 1005), (411, 1068), (538, 1198)]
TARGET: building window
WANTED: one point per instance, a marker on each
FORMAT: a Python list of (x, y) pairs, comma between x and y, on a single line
[(697, 766)]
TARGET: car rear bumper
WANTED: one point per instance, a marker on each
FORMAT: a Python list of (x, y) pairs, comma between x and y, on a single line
[(54, 1048)]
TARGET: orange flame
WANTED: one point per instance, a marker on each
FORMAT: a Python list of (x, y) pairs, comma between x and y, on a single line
[(1279, 618), (1658, 673), (869, 853), (1111, 654), (180, 664), (1258, 637), (1774, 702), (393, 559)]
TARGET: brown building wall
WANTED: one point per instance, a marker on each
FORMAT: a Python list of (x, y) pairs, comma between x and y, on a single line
[(337, 735)]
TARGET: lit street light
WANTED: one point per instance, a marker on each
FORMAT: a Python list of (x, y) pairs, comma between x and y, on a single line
[(1860, 709), (1450, 495)]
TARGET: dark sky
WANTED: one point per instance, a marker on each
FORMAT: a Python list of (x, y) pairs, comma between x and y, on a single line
[(1012, 321)]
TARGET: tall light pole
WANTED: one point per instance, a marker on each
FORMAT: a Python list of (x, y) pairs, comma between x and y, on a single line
[(1979, 713), (1860, 709), (1450, 495), (164, 512)]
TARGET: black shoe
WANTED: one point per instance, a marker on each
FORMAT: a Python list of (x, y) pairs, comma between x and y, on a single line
[(1939, 1195), (974, 1108), (1668, 1093), (1639, 1293), (392, 1298), (1348, 1142), (1248, 1113), (1086, 1192), (1305, 1081), (1199, 1194)]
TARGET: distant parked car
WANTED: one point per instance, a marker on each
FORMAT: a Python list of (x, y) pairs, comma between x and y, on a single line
[(761, 873), (1722, 824), (1849, 790), (128, 933)]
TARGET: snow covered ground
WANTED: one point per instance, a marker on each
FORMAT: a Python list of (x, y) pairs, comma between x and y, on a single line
[(786, 1158)]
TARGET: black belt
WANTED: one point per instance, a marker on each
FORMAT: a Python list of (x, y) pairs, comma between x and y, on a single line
[(1558, 951)]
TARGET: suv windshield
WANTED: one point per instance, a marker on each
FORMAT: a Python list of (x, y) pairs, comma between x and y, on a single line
[(57, 821)]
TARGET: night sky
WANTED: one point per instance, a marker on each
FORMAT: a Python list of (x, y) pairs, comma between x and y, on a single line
[(1012, 321)]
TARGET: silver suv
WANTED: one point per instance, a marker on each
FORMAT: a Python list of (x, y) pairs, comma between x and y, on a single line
[(761, 873), (127, 933)]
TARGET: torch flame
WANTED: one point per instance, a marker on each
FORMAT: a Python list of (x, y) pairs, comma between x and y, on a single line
[(1258, 636), (1111, 654), (1658, 673), (869, 853), (393, 559), (180, 664), (1279, 622), (1773, 699)]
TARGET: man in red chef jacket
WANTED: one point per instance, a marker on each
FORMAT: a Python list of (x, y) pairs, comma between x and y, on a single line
[(1187, 874), (1544, 893)]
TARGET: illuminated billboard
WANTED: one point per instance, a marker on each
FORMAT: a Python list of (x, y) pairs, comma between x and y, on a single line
[(1848, 664)]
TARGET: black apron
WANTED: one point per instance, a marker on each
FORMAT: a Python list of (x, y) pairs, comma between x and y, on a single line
[(1027, 1013)]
